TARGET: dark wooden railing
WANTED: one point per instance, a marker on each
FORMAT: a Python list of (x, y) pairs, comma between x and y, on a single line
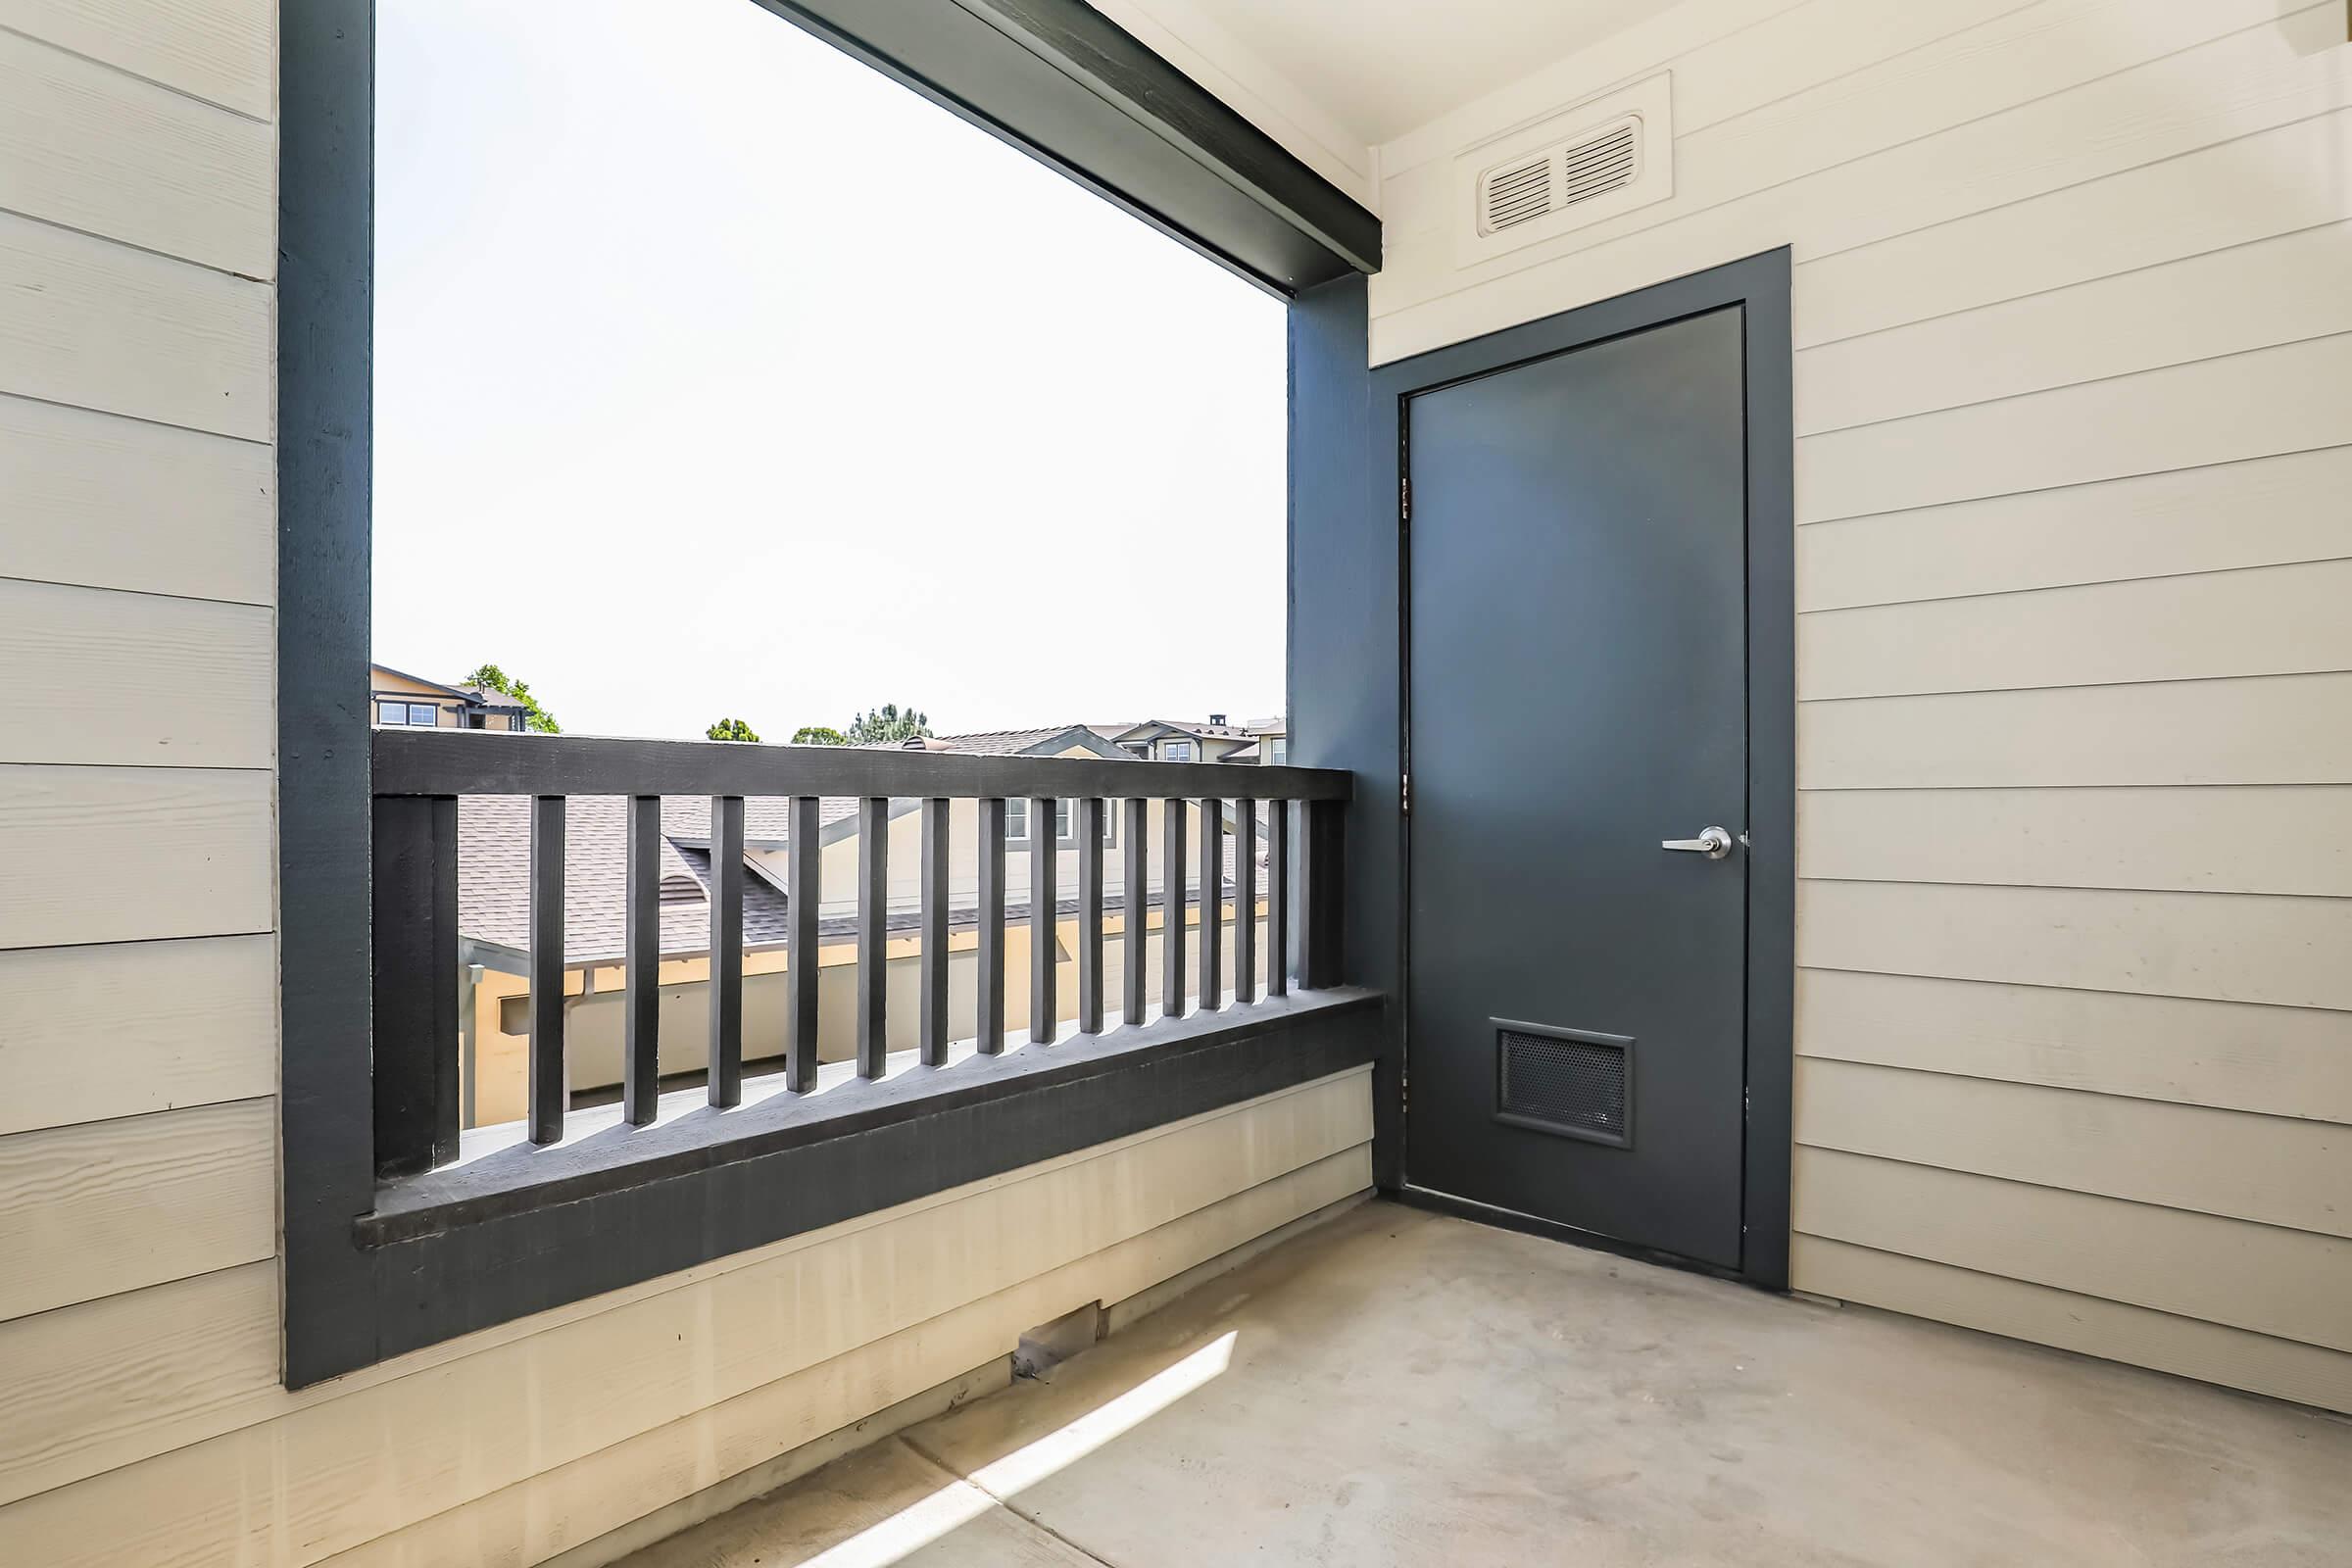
[(421, 774)]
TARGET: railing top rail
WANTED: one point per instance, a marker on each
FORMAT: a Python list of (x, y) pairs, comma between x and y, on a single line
[(425, 761)]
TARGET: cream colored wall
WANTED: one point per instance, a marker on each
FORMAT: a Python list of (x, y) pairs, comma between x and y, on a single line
[(2074, 414), (142, 1418)]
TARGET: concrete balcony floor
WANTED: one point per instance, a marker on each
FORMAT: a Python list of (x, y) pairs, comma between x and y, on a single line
[(1395, 1388)]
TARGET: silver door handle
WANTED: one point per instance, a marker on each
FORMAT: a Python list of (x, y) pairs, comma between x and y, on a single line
[(1712, 842)]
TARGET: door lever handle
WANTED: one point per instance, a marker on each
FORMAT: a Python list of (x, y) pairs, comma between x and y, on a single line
[(1712, 842)]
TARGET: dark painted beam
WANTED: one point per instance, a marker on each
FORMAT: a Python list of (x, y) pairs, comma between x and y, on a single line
[(1065, 84)]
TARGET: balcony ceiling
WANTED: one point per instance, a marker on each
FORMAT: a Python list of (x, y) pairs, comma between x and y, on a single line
[(1381, 68)]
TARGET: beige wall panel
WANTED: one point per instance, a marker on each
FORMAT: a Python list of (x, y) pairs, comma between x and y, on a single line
[(2267, 511), (99, 325), (2250, 82), (2265, 620), (2224, 839), (2272, 182), (98, 675), (113, 1205), (2260, 1278), (2273, 291), (84, 145), (2232, 1357), (574, 1503), (2282, 1062), (115, 1380), (2287, 399), (222, 51), (88, 1033), (2282, 729), (114, 503), (131, 853), (1951, 65), (2223, 947), (2270, 1169), (336, 1472)]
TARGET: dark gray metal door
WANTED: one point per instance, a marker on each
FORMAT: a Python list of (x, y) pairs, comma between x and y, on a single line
[(1577, 694)]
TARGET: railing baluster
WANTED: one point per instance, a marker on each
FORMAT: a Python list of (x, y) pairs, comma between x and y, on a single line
[(1320, 916), (1171, 908), (990, 985), (1089, 915), (873, 935), (641, 965), (1136, 866), (1212, 904), (1245, 902), (726, 950), (1045, 855), (1278, 898), (415, 982), (800, 895), (545, 1090), (935, 931)]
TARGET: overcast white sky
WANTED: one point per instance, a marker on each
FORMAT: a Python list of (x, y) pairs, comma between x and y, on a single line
[(717, 375)]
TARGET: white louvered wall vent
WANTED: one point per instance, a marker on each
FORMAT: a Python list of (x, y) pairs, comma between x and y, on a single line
[(1572, 167)]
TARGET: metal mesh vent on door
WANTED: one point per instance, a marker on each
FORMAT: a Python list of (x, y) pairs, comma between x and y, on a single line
[(1566, 1080)]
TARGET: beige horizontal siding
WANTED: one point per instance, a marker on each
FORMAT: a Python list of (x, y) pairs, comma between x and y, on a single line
[(222, 51), (2274, 1170), (2222, 946), (83, 145), (2092, 1325), (2266, 511), (114, 503), (134, 854), (2289, 1284), (90, 1210), (2270, 292), (92, 324), (2281, 729), (92, 1033), (2264, 620), (2147, 105), (2220, 839), (280, 1489), (98, 675), (2280, 1061), (2238, 192)]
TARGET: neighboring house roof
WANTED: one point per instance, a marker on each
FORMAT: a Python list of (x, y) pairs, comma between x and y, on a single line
[(1241, 754), (1154, 728), (494, 878), (402, 674), (1279, 724), (1052, 741), (491, 697)]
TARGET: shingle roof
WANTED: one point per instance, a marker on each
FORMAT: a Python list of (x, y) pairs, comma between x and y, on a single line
[(494, 878)]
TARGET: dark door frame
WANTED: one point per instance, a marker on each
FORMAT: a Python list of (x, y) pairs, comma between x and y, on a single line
[(1759, 285)]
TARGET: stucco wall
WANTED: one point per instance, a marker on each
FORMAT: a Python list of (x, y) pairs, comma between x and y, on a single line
[(2073, 412)]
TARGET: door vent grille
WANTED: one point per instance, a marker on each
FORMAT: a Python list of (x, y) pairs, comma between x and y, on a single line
[(1565, 1080), (1559, 176)]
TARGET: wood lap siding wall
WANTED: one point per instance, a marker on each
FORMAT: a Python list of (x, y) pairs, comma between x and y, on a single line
[(2074, 402), (141, 1416)]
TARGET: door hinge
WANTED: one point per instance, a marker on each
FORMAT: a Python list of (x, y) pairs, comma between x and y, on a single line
[(1404, 794)]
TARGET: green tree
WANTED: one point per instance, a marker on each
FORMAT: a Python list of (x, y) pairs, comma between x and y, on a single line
[(731, 729), (818, 735), (885, 724), (534, 717)]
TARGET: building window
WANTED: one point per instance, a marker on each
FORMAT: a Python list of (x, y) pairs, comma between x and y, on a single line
[(424, 713), (1278, 750), (1176, 750), (1017, 822)]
